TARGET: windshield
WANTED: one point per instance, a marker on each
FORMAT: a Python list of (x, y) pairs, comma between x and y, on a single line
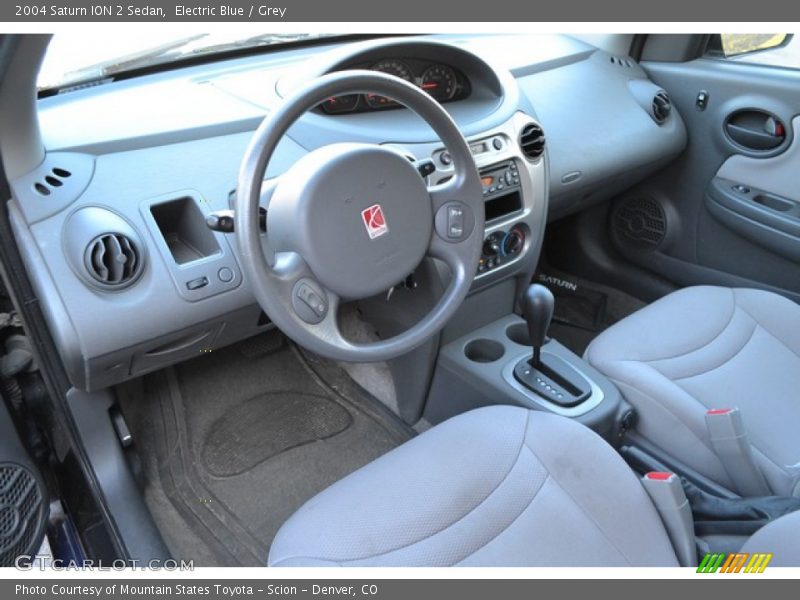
[(72, 59)]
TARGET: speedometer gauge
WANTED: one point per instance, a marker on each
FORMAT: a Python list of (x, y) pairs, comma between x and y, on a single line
[(440, 82), (392, 66)]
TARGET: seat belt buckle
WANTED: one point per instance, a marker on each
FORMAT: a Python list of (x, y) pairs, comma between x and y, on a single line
[(732, 447), (666, 492)]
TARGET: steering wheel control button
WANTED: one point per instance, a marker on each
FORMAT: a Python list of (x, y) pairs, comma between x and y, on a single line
[(309, 301), (197, 283), (454, 221), (225, 275), (445, 158)]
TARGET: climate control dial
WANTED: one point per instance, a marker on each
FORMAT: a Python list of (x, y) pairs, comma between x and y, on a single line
[(513, 241), (493, 245), (502, 247)]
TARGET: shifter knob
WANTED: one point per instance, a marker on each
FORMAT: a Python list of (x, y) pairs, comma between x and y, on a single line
[(537, 308)]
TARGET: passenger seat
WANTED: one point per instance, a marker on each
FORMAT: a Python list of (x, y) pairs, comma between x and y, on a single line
[(704, 349)]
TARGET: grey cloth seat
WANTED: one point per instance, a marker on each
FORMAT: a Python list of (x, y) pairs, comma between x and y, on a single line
[(497, 486), (781, 538), (708, 347)]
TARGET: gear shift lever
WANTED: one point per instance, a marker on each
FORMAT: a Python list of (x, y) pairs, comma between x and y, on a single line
[(548, 375), (537, 308)]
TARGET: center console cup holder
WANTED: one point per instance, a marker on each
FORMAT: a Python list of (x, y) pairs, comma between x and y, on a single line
[(518, 333), (484, 350)]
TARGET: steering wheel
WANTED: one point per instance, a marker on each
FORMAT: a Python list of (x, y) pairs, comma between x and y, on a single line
[(350, 220)]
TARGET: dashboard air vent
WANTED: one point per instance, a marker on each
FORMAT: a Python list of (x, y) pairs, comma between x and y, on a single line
[(662, 107), (113, 260), (531, 141)]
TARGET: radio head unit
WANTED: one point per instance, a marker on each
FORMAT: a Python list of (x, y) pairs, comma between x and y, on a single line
[(501, 190)]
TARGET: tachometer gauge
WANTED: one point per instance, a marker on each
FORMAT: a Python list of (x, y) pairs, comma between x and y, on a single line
[(440, 82), (392, 66), (340, 104)]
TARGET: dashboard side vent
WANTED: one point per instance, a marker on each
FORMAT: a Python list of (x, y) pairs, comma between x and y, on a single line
[(662, 107), (53, 185), (54, 179), (531, 141), (621, 62), (113, 260)]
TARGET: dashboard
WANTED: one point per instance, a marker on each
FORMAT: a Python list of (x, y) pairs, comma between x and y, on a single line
[(443, 82), (554, 124)]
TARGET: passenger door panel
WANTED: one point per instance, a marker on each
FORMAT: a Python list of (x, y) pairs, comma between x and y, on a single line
[(731, 201)]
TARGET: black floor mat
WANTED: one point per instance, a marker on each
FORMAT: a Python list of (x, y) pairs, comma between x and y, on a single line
[(267, 425), (576, 305), (233, 442), (583, 308)]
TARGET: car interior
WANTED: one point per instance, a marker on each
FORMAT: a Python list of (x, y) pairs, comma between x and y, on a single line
[(412, 300)]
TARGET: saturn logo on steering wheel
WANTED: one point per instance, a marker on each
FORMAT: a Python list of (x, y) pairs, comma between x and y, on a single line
[(374, 221)]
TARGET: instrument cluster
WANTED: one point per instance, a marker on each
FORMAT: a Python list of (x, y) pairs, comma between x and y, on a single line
[(443, 82)]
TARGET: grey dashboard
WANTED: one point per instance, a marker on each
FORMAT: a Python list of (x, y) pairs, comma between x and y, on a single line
[(145, 159)]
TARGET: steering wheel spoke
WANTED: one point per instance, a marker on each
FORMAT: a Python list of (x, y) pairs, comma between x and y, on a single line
[(288, 269), (311, 305), (328, 328), (452, 254), (442, 193)]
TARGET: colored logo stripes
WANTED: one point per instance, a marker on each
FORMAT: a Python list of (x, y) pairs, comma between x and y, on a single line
[(736, 562)]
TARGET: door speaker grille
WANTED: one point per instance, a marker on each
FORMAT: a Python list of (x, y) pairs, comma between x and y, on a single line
[(21, 513), (640, 222)]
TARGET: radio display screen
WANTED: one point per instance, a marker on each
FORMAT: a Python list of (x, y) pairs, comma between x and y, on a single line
[(501, 206), (478, 148)]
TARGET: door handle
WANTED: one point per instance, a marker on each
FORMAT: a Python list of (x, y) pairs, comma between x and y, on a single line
[(755, 130), (753, 139)]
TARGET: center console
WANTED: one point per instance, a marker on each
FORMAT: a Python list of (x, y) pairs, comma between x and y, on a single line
[(513, 172), (487, 354), (510, 361), (502, 195)]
